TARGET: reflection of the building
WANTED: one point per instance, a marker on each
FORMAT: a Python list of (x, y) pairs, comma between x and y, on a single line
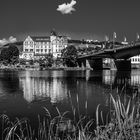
[(109, 77), (132, 78), (126, 81), (87, 75), (36, 88), (135, 78)]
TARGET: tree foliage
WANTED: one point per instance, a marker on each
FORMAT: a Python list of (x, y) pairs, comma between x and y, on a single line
[(69, 56), (49, 60), (22, 61), (10, 54)]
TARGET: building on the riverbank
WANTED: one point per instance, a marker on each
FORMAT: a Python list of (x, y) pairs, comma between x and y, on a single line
[(35, 47), (135, 61)]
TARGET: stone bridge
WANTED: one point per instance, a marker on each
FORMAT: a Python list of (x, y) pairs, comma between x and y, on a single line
[(121, 56)]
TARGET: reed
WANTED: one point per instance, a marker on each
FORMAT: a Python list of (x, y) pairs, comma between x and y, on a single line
[(124, 124)]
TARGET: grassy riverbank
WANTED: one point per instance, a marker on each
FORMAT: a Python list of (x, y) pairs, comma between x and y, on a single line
[(18, 68), (124, 124)]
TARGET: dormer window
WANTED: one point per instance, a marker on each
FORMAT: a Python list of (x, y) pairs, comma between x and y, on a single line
[(25, 43)]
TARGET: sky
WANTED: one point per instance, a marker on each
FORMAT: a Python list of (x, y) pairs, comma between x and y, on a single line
[(78, 19)]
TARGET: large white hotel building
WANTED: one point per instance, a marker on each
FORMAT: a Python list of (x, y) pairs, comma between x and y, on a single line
[(39, 47)]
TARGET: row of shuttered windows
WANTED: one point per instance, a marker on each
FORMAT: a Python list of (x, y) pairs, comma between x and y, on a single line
[(135, 59), (44, 43), (41, 50)]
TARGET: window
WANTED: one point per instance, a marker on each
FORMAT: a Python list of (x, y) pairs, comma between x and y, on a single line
[(30, 55), (31, 44), (26, 50), (31, 50), (37, 50), (25, 43)]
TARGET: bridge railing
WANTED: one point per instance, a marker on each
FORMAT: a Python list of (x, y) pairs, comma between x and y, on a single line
[(107, 47)]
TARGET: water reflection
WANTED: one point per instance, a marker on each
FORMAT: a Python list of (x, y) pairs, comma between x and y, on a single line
[(123, 77), (135, 78), (87, 75), (26, 92), (37, 88), (109, 77), (9, 82), (55, 85), (125, 81)]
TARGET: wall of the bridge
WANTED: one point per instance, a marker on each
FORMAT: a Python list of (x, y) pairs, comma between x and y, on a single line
[(123, 64), (125, 52), (96, 64)]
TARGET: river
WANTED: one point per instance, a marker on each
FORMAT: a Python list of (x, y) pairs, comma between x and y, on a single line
[(25, 93)]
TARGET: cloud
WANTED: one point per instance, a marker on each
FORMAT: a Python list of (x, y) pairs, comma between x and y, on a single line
[(66, 8), (11, 39)]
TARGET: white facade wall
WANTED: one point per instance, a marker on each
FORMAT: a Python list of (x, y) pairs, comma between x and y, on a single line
[(31, 48), (28, 49), (135, 59)]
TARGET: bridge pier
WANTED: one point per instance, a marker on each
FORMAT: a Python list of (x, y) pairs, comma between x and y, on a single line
[(96, 64), (124, 65), (82, 62)]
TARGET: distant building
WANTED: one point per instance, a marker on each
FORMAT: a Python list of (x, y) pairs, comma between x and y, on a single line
[(35, 47), (135, 59), (124, 43)]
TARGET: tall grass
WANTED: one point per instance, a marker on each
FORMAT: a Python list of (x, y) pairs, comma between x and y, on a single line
[(124, 124)]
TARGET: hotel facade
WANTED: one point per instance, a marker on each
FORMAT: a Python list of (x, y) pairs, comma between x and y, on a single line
[(36, 47)]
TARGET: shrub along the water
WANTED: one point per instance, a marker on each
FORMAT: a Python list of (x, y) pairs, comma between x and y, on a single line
[(124, 124)]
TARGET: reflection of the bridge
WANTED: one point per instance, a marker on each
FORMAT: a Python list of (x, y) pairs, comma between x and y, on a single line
[(113, 77), (109, 77), (36, 88), (55, 89), (135, 77)]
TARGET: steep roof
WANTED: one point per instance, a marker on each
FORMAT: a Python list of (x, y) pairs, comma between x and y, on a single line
[(40, 38)]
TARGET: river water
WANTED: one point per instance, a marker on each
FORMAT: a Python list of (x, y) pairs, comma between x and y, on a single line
[(25, 93)]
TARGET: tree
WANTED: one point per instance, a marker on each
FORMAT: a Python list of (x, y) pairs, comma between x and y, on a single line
[(41, 63), (49, 60), (22, 61), (69, 56), (31, 62), (58, 61), (10, 54)]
